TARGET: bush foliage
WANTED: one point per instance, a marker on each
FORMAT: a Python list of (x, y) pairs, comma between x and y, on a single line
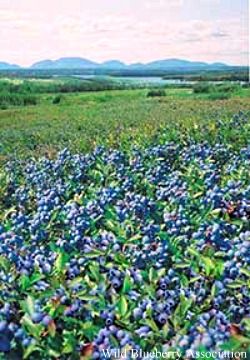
[(156, 92)]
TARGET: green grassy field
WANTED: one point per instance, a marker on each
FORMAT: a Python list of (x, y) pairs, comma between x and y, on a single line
[(83, 120)]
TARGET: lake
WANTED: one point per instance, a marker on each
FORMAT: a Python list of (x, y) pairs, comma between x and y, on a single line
[(142, 80), (147, 80)]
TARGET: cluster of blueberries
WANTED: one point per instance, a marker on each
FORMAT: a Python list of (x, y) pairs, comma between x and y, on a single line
[(136, 249)]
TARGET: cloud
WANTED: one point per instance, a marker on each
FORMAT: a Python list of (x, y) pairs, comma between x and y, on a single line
[(219, 34), (128, 33), (156, 4)]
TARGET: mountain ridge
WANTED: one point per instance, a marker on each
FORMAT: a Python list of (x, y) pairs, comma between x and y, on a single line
[(64, 63), (84, 63), (71, 62), (5, 65)]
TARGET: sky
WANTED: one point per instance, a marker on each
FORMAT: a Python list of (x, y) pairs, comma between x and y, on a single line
[(128, 30)]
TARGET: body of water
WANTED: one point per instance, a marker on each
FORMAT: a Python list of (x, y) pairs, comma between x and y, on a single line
[(146, 80), (143, 80)]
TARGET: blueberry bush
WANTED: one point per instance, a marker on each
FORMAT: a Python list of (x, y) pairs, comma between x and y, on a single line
[(139, 247)]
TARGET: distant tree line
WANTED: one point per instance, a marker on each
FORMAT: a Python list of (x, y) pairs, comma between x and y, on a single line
[(234, 73), (25, 92)]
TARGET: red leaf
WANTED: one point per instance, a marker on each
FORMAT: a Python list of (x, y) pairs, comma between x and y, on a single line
[(87, 349), (234, 329)]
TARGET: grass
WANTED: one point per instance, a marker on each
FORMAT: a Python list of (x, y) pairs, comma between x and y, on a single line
[(82, 120)]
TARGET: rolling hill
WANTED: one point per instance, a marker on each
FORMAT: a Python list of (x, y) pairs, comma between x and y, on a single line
[(6, 66), (83, 63)]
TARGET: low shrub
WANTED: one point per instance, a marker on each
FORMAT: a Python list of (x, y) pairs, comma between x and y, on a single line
[(219, 96), (156, 92), (208, 88), (11, 99), (202, 88), (227, 87), (57, 99)]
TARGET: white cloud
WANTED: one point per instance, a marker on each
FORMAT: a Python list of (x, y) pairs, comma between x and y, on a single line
[(27, 36), (152, 4)]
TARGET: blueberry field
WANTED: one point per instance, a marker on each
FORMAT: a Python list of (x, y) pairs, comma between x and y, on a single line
[(131, 232)]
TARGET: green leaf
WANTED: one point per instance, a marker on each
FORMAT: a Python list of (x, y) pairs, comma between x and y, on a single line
[(69, 342), (185, 306), (29, 305), (30, 349), (36, 277), (86, 297), (90, 330), (235, 285), (24, 282), (152, 276), (193, 252), (198, 194), (4, 263), (215, 212), (208, 265), (246, 322), (181, 311), (54, 353), (94, 270), (213, 291), (165, 329), (219, 268), (60, 262), (122, 306), (194, 279), (184, 280), (151, 323), (33, 329), (110, 214), (93, 254), (245, 272), (236, 343), (111, 225), (127, 285), (221, 254)]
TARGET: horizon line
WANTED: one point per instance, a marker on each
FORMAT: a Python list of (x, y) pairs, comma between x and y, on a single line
[(123, 62)]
